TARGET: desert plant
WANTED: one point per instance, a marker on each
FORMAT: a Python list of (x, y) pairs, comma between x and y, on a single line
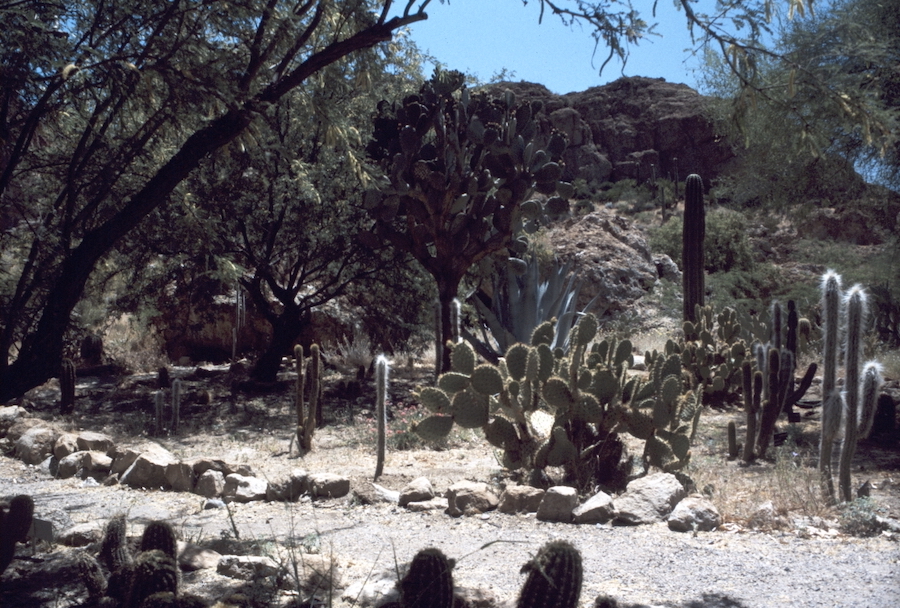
[(14, 526), (547, 408), (521, 301), (856, 405), (308, 372), (92, 577), (429, 581), (154, 572), (113, 548), (67, 387), (159, 402), (693, 237), (176, 405), (159, 535), (381, 386), (555, 576)]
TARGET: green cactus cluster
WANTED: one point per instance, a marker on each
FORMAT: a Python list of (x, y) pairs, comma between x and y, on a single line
[(429, 581), (14, 526), (544, 407)]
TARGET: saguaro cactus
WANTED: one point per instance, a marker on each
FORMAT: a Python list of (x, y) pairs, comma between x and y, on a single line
[(693, 237), (381, 386)]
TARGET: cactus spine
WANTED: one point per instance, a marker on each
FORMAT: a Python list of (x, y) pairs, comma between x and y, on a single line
[(67, 387), (429, 581), (554, 578), (381, 386), (693, 238)]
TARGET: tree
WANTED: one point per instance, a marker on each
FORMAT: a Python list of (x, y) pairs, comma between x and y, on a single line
[(107, 107), (460, 172)]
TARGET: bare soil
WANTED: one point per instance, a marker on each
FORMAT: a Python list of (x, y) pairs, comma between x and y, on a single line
[(799, 557)]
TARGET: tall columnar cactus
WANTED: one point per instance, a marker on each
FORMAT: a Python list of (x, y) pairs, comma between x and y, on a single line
[(855, 304), (67, 387), (159, 402), (300, 366), (14, 526), (314, 410), (381, 388), (554, 580), (752, 381), (456, 320), (693, 238), (429, 581), (438, 341), (176, 405), (831, 398)]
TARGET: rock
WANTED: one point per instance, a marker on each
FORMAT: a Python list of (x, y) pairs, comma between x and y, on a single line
[(21, 426), (71, 465), (475, 597), (91, 441), (96, 462), (9, 415), (247, 567), (180, 476), (65, 444), (317, 572), (290, 489), (596, 509), (210, 484), (694, 513), (557, 505), (149, 468), (80, 535), (418, 490), (214, 503), (608, 254), (666, 268), (201, 465), (378, 589), (437, 503), (241, 488), (520, 499), (384, 494), (193, 557), (765, 517), (648, 500), (35, 444), (123, 458), (328, 485), (470, 498)]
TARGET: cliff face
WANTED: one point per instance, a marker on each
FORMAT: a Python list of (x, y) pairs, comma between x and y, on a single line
[(628, 128)]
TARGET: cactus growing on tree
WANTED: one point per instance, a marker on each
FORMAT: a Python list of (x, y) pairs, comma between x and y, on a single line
[(692, 241)]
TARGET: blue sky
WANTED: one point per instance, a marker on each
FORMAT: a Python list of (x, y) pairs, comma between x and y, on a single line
[(481, 37)]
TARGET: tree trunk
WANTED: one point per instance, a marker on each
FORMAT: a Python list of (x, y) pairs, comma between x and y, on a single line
[(41, 354), (285, 329)]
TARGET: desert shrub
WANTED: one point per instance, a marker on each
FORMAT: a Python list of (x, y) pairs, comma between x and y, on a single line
[(860, 518), (727, 245)]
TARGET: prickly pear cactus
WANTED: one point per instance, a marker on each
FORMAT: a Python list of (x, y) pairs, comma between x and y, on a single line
[(554, 580), (429, 581), (550, 408)]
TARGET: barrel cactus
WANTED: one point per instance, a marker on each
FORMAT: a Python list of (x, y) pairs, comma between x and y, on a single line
[(429, 581), (555, 576)]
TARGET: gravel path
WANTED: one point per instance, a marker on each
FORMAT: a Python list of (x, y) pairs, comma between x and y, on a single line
[(647, 565)]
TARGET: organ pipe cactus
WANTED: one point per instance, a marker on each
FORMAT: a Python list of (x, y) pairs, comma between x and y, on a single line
[(693, 237), (545, 408)]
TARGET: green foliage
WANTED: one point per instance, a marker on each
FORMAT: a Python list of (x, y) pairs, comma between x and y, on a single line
[(727, 246), (544, 407), (859, 517)]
